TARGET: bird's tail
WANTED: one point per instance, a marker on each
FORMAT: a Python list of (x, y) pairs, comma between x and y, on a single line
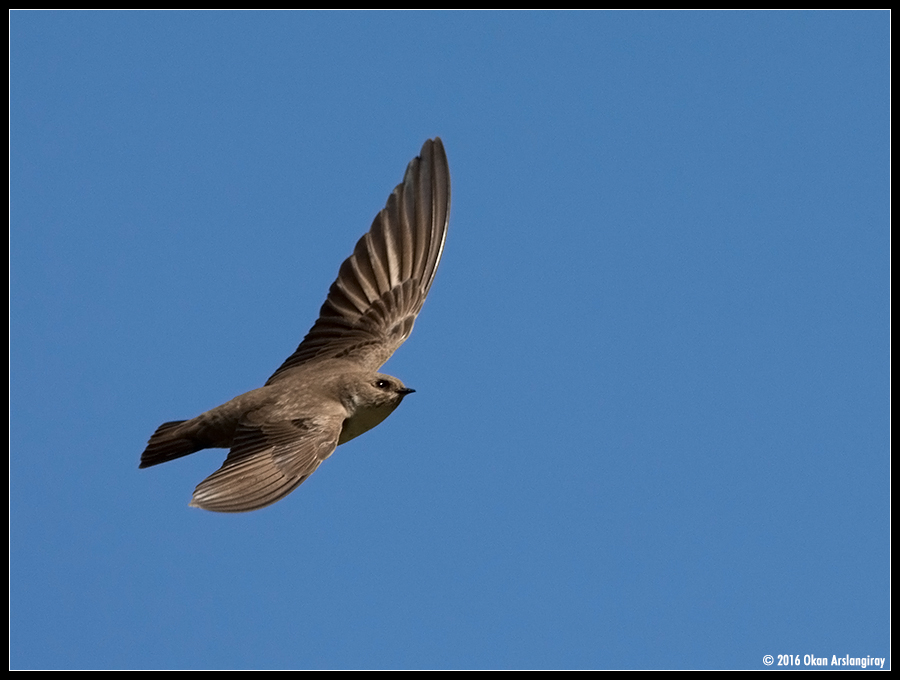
[(170, 442)]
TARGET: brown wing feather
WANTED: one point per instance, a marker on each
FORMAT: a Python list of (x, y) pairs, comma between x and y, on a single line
[(380, 288), (267, 462)]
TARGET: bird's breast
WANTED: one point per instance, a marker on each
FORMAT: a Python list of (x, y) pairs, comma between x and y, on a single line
[(364, 419)]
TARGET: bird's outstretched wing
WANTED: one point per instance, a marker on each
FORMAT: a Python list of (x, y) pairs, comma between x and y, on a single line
[(267, 462), (371, 307)]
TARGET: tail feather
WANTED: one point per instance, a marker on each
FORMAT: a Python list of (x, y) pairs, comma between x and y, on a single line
[(166, 445)]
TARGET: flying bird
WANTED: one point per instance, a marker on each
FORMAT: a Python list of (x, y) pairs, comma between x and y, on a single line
[(329, 390)]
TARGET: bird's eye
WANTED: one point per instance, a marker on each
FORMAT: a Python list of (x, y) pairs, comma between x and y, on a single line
[(382, 384)]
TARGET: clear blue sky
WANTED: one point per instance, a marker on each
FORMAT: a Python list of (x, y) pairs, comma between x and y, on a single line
[(651, 426)]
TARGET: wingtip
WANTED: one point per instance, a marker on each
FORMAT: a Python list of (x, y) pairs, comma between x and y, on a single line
[(436, 146), (199, 506)]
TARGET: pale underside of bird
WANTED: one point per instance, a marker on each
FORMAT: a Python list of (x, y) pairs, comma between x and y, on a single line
[(328, 391)]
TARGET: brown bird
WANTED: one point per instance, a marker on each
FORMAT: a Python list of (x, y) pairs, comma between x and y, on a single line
[(328, 391)]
